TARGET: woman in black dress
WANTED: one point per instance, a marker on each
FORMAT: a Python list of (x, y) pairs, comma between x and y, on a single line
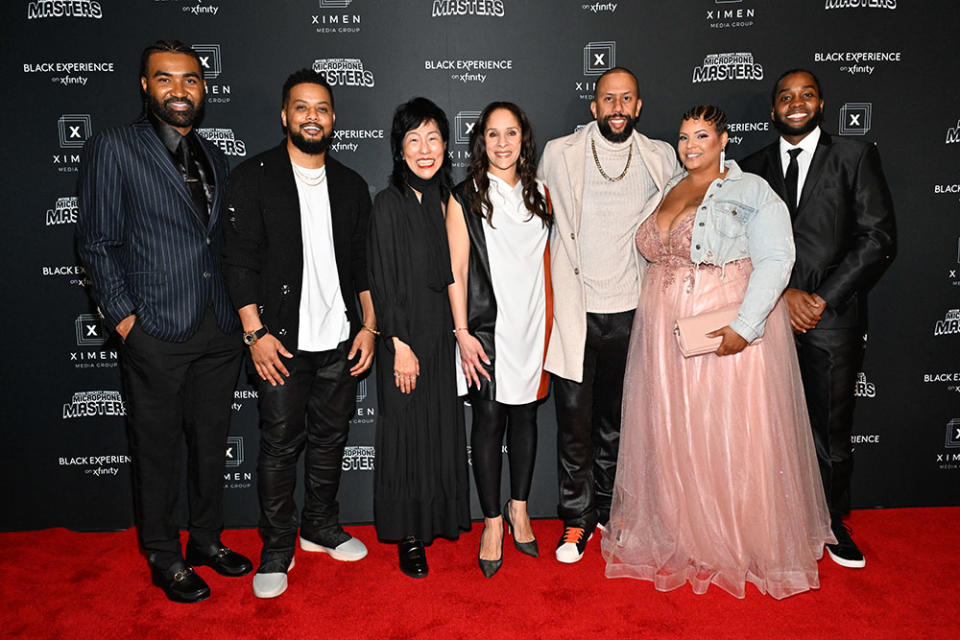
[(421, 487)]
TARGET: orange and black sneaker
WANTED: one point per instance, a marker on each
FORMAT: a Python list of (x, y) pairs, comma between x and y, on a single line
[(572, 543)]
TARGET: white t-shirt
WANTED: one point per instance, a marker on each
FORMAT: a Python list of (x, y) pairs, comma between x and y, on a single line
[(323, 316)]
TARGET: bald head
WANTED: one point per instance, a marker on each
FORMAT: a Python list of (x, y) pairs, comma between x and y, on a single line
[(621, 74)]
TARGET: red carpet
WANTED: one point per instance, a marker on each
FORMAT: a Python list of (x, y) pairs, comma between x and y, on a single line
[(60, 584)]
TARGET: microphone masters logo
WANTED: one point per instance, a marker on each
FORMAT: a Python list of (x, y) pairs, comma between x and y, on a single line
[(344, 72), (225, 139), (718, 67), (446, 8), (859, 4), (64, 9)]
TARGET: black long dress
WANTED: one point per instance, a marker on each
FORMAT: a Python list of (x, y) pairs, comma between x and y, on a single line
[(421, 486)]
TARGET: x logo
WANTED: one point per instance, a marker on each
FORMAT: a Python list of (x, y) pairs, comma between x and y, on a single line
[(953, 273), (74, 131), (854, 119), (92, 330), (205, 61), (598, 59), (229, 453), (469, 127)]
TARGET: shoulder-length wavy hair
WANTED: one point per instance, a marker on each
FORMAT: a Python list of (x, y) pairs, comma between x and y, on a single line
[(411, 115), (478, 200)]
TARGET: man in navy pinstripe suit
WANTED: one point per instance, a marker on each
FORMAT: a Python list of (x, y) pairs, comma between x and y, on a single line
[(149, 234)]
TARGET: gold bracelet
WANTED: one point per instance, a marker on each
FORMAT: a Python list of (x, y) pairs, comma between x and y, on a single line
[(460, 329), (373, 331)]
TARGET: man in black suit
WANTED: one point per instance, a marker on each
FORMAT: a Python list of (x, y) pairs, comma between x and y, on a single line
[(149, 234), (295, 264), (845, 235)]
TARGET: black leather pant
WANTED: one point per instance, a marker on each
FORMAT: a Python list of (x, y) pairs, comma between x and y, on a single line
[(175, 391), (311, 410), (588, 422), (490, 420), (829, 362)]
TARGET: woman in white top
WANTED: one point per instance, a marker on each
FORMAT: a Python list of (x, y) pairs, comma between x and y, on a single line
[(498, 223)]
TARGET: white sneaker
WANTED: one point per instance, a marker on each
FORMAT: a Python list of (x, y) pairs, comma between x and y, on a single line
[(349, 551), (571, 545), (270, 585)]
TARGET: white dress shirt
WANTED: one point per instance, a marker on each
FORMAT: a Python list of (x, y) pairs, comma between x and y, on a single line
[(808, 145)]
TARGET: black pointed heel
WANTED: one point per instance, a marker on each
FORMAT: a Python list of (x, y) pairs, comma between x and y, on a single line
[(490, 567), (529, 548)]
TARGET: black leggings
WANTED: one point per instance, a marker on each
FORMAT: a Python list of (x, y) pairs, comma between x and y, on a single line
[(490, 420)]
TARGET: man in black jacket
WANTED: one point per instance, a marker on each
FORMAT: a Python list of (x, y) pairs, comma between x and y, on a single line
[(845, 235), (148, 232), (295, 264)]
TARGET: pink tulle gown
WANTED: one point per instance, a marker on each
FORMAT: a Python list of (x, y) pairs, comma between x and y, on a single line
[(717, 480)]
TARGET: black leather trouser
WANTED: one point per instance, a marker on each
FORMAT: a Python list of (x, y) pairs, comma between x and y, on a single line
[(175, 391), (311, 411), (490, 420), (829, 362), (588, 422)]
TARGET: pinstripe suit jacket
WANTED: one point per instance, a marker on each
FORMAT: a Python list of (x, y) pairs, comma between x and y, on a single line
[(141, 237)]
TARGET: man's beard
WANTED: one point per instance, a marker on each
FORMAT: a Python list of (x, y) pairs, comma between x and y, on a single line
[(310, 147), (172, 117), (787, 129), (604, 125)]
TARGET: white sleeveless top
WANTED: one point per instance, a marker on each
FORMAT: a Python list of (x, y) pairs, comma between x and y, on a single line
[(515, 246)]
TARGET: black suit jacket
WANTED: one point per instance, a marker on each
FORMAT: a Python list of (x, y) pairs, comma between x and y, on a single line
[(142, 240), (263, 247), (843, 227)]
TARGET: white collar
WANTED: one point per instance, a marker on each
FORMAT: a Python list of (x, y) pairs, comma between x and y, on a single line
[(808, 144)]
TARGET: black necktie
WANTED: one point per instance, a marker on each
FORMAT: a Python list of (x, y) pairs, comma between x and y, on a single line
[(194, 178), (791, 177)]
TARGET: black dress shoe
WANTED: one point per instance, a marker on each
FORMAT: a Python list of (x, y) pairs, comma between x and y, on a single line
[(413, 558), (180, 583), (224, 560)]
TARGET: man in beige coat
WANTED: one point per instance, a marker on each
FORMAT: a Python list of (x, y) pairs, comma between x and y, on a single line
[(604, 180)]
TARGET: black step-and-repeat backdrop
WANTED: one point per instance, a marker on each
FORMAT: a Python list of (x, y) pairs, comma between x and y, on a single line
[(69, 69)]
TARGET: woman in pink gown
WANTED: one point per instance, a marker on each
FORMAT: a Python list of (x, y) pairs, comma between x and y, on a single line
[(717, 478)]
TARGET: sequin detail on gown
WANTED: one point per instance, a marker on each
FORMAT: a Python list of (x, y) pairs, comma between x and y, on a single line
[(717, 479)]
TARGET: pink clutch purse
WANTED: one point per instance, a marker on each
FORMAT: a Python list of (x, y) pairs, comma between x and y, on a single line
[(691, 331)]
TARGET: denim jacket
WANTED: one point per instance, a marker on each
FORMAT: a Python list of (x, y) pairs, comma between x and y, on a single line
[(742, 217)]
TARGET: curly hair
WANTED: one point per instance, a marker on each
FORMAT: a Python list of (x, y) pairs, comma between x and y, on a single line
[(708, 113)]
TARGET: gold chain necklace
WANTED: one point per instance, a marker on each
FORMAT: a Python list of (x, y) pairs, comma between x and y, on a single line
[(307, 179), (593, 147)]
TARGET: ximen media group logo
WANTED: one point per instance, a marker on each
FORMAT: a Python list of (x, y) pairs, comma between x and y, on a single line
[(730, 14), (464, 123), (211, 63), (599, 57), (855, 118)]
